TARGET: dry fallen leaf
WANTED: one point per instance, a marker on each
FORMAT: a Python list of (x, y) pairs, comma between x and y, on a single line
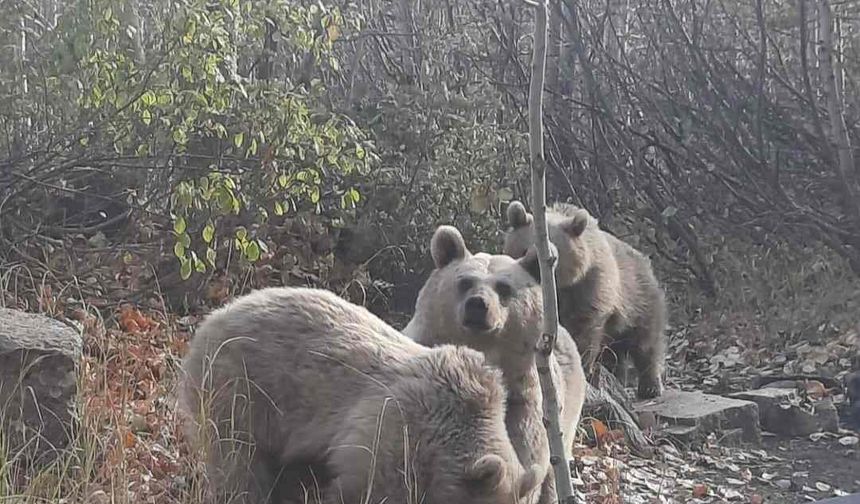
[(599, 428), (849, 440), (700, 490), (815, 389), (128, 440)]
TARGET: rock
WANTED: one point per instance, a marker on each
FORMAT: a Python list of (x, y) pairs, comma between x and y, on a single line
[(781, 412), (39, 360), (783, 484), (845, 499), (705, 412)]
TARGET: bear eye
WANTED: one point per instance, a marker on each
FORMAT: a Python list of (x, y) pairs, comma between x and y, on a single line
[(504, 289), (465, 284)]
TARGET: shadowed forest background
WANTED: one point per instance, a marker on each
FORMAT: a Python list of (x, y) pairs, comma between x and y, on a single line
[(159, 157)]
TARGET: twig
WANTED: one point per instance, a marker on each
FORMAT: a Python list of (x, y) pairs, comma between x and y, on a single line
[(560, 466)]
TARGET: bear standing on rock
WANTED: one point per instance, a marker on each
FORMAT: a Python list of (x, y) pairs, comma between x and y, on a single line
[(493, 303), (607, 292), (286, 378)]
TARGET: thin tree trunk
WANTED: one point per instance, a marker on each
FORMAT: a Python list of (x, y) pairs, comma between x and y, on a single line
[(805, 50), (838, 131), (551, 408), (554, 53), (132, 13)]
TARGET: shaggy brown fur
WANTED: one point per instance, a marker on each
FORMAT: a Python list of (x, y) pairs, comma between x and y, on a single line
[(287, 377), (493, 303), (607, 292)]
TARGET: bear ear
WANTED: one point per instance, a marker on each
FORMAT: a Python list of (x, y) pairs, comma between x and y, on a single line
[(531, 262), (487, 472), (447, 245), (517, 215), (575, 225), (530, 480)]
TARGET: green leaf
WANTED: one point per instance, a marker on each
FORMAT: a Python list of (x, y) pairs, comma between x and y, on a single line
[(315, 195), (179, 136), (199, 266), (283, 180), (146, 117), (221, 130), (185, 240), (252, 251), (238, 139), (179, 250), (210, 256), (225, 200), (148, 98), (355, 195), (208, 233), (359, 151), (185, 269), (179, 225), (241, 233), (279, 208)]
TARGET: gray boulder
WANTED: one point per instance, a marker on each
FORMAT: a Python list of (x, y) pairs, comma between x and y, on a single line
[(39, 360), (692, 416), (782, 411)]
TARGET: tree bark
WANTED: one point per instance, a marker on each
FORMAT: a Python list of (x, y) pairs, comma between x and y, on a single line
[(537, 158), (838, 131)]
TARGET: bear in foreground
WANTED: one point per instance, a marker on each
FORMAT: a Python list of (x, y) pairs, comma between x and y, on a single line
[(493, 303), (607, 292), (287, 378)]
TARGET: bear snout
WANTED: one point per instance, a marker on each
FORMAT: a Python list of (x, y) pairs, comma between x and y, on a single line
[(475, 313)]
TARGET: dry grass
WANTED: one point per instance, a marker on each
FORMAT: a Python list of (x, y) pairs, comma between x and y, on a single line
[(128, 446)]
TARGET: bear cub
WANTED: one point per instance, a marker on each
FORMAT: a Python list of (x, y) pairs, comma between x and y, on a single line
[(287, 378), (607, 291)]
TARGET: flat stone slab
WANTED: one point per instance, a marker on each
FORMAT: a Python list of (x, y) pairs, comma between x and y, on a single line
[(782, 412), (706, 413), (39, 359)]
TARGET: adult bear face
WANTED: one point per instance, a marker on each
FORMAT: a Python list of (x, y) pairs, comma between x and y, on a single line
[(483, 296)]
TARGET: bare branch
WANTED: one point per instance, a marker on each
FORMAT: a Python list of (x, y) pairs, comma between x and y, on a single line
[(560, 466)]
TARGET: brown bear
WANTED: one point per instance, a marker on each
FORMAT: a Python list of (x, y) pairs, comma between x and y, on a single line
[(493, 303), (286, 378), (607, 292)]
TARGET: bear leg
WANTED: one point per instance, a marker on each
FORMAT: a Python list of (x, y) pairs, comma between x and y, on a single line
[(548, 493), (648, 357), (614, 358), (592, 338)]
